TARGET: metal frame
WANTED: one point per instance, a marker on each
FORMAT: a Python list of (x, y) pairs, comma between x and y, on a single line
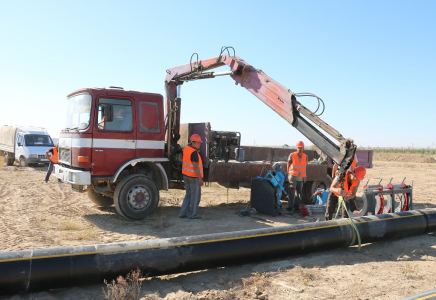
[(370, 194)]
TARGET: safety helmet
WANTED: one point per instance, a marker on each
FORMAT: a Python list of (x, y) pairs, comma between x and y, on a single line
[(196, 138), (300, 144), (360, 172)]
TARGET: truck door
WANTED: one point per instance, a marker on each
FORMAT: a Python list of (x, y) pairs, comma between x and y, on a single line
[(150, 128), (113, 142)]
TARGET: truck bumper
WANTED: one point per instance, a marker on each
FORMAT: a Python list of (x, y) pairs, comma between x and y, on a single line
[(74, 177), (32, 160)]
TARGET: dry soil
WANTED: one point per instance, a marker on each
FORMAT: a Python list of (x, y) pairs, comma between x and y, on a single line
[(40, 215)]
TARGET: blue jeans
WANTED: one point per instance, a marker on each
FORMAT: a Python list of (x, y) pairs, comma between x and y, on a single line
[(49, 171), (192, 198)]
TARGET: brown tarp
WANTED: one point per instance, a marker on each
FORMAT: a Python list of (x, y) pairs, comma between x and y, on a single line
[(7, 136)]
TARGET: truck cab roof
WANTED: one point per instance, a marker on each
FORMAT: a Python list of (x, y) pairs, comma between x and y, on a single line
[(112, 91)]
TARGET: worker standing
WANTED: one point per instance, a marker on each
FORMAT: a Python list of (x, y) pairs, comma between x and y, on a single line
[(192, 170), (351, 183), (297, 163), (53, 157)]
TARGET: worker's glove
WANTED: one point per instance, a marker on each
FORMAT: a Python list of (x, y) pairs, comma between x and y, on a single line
[(343, 194), (347, 198)]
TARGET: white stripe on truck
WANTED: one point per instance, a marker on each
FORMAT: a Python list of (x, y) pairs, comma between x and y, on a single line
[(111, 143)]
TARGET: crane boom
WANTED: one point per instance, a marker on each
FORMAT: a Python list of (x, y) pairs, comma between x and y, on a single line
[(280, 99)]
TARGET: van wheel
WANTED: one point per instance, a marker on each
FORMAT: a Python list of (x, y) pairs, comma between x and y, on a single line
[(99, 199), (23, 162), (136, 197)]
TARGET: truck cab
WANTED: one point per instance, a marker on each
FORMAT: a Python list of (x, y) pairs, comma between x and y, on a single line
[(113, 137)]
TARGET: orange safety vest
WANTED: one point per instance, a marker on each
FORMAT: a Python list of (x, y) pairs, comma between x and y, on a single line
[(54, 157), (348, 189), (188, 166), (353, 165), (297, 165)]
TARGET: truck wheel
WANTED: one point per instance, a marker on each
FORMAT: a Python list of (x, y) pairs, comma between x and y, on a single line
[(8, 160), (23, 162), (321, 184), (99, 199), (136, 197)]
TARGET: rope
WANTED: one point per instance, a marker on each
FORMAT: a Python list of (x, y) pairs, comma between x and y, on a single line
[(353, 225)]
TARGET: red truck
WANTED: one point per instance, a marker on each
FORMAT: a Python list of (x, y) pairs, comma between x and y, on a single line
[(122, 146)]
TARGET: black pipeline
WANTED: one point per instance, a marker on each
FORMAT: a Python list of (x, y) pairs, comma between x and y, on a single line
[(43, 269)]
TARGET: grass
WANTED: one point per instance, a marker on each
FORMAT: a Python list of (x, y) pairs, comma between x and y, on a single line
[(71, 229), (301, 275), (158, 219), (128, 288), (422, 151), (409, 271), (258, 281)]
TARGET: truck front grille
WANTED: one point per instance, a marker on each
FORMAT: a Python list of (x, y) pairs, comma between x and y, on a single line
[(65, 155)]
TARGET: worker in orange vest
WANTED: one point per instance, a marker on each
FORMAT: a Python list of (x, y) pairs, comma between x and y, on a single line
[(192, 170), (297, 163), (53, 157), (336, 166), (351, 184)]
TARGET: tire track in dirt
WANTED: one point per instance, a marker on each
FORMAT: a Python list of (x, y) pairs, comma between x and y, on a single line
[(8, 233), (2, 191)]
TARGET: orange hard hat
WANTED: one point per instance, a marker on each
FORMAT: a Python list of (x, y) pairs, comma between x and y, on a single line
[(360, 172), (300, 144), (196, 138)]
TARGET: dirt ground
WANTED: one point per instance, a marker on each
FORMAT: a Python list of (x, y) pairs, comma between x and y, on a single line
[(38, 215)]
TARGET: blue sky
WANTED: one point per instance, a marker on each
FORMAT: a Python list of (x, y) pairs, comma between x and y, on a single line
[(372, 62)]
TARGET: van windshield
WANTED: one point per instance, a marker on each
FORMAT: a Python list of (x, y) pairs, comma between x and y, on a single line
[(38, 140), (78, 112)]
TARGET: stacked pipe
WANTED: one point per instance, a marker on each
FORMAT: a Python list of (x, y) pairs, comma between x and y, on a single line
[(42, 269)]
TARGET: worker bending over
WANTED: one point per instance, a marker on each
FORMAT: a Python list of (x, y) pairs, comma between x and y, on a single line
[(297, 163), (351, 183), (336, 166), (53, 156), (192, 170)]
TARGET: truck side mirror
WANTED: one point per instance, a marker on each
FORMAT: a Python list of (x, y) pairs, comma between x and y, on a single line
[(19, 144), (107, 111)]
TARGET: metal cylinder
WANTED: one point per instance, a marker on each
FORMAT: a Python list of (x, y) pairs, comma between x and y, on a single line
[(179, 87), (42, 269)]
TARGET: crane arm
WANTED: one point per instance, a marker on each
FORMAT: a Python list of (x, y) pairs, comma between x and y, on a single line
[(280, 99)]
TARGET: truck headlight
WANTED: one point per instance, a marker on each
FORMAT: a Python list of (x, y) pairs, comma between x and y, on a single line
[(33, 155)]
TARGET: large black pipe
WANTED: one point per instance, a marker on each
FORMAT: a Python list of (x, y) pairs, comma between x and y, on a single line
[(43, 269)]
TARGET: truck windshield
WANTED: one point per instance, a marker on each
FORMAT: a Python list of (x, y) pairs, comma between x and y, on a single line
[(38, 140), (79, 111)]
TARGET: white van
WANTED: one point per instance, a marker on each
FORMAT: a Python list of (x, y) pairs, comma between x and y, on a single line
[(26, 145)]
